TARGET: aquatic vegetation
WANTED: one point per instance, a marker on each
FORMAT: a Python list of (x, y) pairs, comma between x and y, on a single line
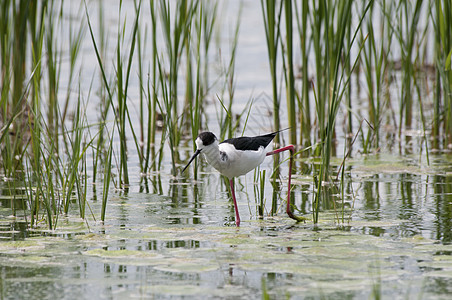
[(264, 258), (97, 110)]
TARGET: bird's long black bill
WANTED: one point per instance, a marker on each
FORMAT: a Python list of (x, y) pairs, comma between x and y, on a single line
[(191, 159)]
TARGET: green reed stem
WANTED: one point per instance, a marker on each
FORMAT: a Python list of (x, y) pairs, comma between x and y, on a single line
[(195, 104), (271, 14), (262, 194), (122, 89), (53, 71), (174, 36), (107, 179), (375, 55), (289, 72), (228, 127), (103, 104), (338, 88), (209, 17), (442, 21), (109, 96), (304, 105), (141, 143), (259, 191), (406, 34), (75, 43), (152, 92), (272, 18)]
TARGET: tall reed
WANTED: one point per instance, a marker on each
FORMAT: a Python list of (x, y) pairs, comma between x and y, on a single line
[(271, 13), (106, 180), (336, 82), (122, 86), (210, 15), (13, 102), (195, 101), (104, 104), (122, 77), (259, 191), (375, 61), (53, 69), (406, 33), (106, 92), (71, 179), (175, 31), (151, 90), (35, 128), (205, 22), (303, 97), (289, 67), (442, 22), (229, 124)]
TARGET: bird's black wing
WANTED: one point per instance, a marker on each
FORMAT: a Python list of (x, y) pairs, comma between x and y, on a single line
[(251, 143)]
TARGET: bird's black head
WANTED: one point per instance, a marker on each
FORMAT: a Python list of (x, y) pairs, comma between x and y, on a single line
[(203, 140), (207, 138)]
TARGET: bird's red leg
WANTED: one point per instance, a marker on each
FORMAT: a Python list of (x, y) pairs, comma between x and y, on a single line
[(237, 216), (291, 148)]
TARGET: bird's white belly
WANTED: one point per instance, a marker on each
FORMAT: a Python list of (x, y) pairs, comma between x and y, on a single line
[(237, 162)]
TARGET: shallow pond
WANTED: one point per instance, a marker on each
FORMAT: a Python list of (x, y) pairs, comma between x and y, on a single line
[(395, 242), (174, 237)]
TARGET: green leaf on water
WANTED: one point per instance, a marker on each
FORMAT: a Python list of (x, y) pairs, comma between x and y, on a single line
[(190, 266), (19, 245), (121, 253)]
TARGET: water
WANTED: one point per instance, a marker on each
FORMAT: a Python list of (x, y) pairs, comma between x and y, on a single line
[(174, 238), (395, 242)]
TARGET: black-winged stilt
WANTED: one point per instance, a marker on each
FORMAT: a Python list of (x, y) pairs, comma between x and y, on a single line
[(237, 156)]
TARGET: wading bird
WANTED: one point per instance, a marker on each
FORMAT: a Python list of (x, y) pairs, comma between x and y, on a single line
[(237, 156)]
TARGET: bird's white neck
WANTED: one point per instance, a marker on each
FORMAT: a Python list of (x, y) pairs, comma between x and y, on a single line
[(213, 156)]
